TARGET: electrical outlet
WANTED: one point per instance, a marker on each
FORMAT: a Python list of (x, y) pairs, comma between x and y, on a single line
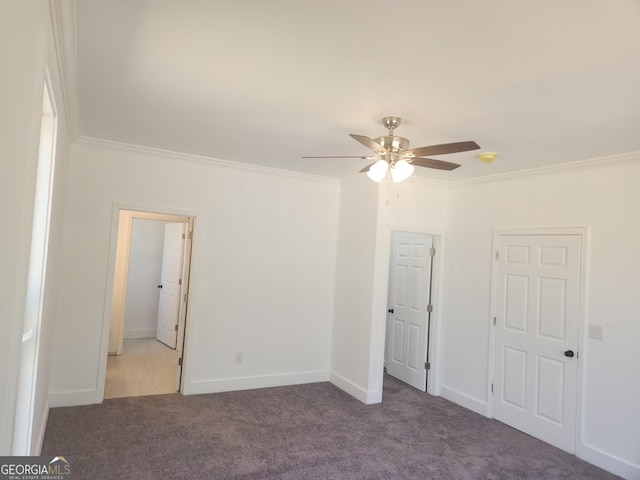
[(239, 357), (595, 331)]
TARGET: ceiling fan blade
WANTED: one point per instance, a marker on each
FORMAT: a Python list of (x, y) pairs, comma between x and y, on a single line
[(366, 169), (364, 157), (367, 142), (442, 149), (431, 163)]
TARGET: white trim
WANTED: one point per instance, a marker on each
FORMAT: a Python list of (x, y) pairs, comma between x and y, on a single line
[(631, 157), (72, 398), (367, 397), (608, 462), (108, 295), (140, 333), (36, 444), (37, 275), (63, 29), (215, 162), (437, 300), (492, 327), (249, 383), (439, 237), (467, 401)]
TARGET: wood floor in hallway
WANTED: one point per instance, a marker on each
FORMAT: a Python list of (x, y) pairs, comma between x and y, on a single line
[(146, 367)]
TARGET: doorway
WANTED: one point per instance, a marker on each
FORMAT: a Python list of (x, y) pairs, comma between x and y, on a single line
[(538, 304), (409, 307), (149, 304)]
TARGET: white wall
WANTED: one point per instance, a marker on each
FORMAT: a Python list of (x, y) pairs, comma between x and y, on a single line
[(145, 268), (26, 46), (355, 262), (603, 198), (262, 271), (368, 214)]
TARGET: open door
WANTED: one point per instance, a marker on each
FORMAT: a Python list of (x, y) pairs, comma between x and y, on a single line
[(170, 284), (408, 307)]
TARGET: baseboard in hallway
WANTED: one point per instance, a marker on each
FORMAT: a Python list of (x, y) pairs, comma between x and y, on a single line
[(146, 367)]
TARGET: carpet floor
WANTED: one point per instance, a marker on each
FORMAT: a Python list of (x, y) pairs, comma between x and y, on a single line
[(308, 432)]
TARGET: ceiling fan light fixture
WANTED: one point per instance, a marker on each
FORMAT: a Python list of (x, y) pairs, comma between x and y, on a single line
[(394, 153), (378, 170), (401, 170)]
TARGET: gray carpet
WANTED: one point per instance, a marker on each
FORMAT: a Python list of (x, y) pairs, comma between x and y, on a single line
[(300, 432)]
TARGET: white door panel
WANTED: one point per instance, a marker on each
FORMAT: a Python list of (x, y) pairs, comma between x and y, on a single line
[(409, 287), (169, 303), (537, 307)]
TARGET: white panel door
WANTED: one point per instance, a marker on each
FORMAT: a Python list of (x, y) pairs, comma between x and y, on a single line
[(536, 335), (169, 303), (409, 288)]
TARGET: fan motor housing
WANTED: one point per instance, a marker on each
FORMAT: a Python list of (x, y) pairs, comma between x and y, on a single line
[(392, 143)]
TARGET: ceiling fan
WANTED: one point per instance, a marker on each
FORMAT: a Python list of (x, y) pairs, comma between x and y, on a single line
[(393, 153)]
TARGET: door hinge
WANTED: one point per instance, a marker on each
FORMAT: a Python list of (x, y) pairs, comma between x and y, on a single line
[(494, 320), (191, 235), (432, 252), (492, 388), (184, 236), (185, 297), (180, 281), (430, 308), (176, 327), (180, 362), (497, 255), (427, 365)]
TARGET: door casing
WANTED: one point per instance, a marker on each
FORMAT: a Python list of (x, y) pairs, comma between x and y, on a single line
[(380, 317), (113, 313)]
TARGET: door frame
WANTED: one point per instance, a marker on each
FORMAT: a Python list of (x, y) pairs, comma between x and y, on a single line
[(24, 440), (437, 288), (583, 233), (114, 303)]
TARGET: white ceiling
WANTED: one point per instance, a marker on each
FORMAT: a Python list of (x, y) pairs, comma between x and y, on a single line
[(541, 82)]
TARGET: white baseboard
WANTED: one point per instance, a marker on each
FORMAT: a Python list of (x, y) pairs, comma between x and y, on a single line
[(143, 333), (464, 400), (249, 383), (73, 398), (585, 452), (359, 393), (38, 439), (608, 462)]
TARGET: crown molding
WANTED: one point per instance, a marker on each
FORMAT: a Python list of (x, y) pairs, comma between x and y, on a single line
[(63, 26), (631, 157), (623, 158), (210, 161)]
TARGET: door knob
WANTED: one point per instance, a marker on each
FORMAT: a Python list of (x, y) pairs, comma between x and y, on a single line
[(568, 353), (159, 286), (391, 310)]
